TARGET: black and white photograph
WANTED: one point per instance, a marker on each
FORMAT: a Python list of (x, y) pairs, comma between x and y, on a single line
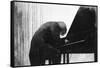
[(44, 33)]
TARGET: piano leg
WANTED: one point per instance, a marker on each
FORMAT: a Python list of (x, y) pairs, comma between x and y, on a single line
[(46, 62), (64, 58)]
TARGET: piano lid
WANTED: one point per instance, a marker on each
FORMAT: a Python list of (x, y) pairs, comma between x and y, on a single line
[(83, 23)]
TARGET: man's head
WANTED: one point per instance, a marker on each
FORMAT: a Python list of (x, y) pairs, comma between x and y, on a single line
[(57, 27)]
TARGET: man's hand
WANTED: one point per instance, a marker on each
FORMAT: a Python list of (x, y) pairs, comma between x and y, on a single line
[(66, 41)]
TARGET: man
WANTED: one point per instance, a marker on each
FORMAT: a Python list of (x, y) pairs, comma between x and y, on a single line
[(45, 43)]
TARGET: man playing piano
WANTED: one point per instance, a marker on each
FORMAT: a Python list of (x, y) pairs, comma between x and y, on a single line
[(45, 42)]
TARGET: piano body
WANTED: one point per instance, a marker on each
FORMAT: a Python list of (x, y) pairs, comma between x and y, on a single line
[(82, 35), (84, 27)]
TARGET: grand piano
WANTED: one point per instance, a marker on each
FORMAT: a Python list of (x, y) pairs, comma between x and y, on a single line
[(82, 35), (83, 32)]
